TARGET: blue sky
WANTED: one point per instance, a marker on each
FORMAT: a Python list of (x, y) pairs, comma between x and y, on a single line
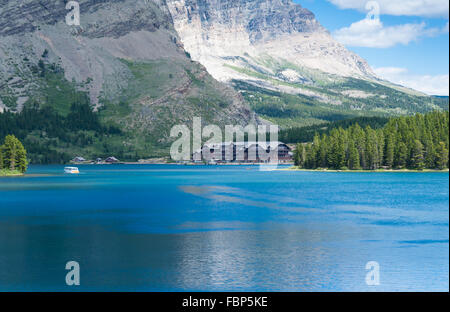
[(407, 42)]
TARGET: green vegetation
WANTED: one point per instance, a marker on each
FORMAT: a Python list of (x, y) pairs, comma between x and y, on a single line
[(316, 98), (306, 134), (56, 122), (289, 110), (415, 142), (56, 91), (49, 136), (13, 157)]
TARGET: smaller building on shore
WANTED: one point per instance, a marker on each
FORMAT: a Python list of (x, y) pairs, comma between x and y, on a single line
[(111, 160), (78, 159)]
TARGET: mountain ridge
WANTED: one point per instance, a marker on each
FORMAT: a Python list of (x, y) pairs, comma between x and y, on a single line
[(214, 30), (125, 58), (264, 46), (146, 66)]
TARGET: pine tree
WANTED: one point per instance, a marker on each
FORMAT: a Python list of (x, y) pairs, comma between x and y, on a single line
[(309, 161), (300, 155), (2, 159), (22, 162), (316, 150), (337, 153), (10, 152), (360, 143), (402, 155), (417, 159), (389, 154), (371, 149), (323, 163), (380, 147), (353, 157), (441, 156), (418, 142), (430, 154), (14, 154)]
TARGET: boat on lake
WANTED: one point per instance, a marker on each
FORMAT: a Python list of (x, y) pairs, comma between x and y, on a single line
[(71, 170)]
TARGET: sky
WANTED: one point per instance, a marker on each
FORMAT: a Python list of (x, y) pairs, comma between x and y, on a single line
[(404, 41)]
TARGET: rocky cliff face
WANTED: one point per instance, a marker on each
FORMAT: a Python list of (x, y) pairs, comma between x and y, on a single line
[(243, 32), (20, 17), (120, 45), (286, 65)]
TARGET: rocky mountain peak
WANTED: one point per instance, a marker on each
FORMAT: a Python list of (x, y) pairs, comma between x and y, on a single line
[(262, 19), (218, 32), (125, 56)]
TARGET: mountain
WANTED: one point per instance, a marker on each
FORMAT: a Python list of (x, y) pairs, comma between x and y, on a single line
[(125, 59), (288, 66), (118, 82), (221, 34)]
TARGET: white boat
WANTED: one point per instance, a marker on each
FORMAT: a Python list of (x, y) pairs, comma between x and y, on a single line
[(71, 170)]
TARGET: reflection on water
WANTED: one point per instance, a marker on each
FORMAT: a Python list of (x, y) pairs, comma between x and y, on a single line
[(217, 193), (166, 228)]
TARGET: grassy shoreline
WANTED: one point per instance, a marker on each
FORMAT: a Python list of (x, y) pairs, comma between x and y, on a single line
[(10, 173), (294, 168)]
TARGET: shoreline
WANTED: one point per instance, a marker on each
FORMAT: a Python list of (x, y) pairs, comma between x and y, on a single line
[(9, 173), (293, 168), (174, 163)]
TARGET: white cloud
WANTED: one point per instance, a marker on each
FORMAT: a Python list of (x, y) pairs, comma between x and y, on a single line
[(373, 34), (429, 84), (426, 8)]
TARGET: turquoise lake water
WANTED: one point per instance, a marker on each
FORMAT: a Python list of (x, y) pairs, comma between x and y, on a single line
[(223, 228)]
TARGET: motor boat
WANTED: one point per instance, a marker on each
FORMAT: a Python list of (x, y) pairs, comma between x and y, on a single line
[(71, 170)]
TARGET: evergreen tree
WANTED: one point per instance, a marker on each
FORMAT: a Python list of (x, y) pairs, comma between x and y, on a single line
[(402, 155), (417, 158), (22, 162), (389, 154), (2, 159), (316, 150), (371, 149), (337, 153), (300, 155), (441, 156), (360, 143), (430, 154), (419, 141), (380, 147), (353, 157), (310, 157), (323, 163), (14, 154)]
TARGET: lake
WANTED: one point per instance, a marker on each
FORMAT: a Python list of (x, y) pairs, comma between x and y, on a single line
[(223, 228)]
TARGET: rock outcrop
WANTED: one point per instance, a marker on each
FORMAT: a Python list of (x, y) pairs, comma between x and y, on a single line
[(119, 46), (218, 33)]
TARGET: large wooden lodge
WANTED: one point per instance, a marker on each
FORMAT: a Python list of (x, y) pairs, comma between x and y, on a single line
[(244, 152)]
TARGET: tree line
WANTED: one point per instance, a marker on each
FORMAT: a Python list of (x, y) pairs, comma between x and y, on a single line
[(13, 156), (414, 142), (306, 134), (43, 129), (46, 119)]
